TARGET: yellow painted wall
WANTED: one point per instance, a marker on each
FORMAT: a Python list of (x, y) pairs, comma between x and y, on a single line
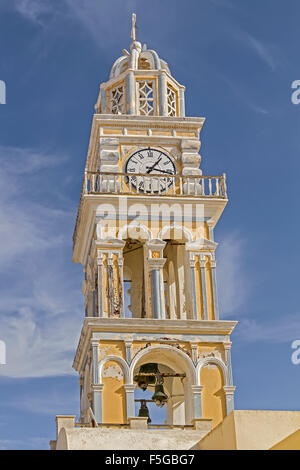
[(255, 430), (208, 279), (113, 396), (222, 437), (111, 348), (291, 442), (213, 396)]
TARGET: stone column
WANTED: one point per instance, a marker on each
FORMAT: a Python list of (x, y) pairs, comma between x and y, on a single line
[(156, 289), (155, 265), (197, 400), (193, 284), (210, 230), (121, 286), (229, 395), (227, 347), (96, 386), (95, 346), (130, 93), (100, 282), (162, 94), (97, 393), (181, 102), (103, 100), (80, 395), (111, 248), (203, 285), (110, 283), (214, 288), (130, 410), (147, 282)]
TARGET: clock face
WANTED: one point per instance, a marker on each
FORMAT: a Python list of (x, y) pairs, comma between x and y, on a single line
[(150, 162)]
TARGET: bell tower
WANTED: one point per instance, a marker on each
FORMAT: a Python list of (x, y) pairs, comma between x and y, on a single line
[(144, 235)]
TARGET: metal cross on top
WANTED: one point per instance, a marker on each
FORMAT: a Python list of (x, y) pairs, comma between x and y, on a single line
[(133, 28)]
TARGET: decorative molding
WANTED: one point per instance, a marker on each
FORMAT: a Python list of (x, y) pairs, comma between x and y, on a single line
[(201, 244)]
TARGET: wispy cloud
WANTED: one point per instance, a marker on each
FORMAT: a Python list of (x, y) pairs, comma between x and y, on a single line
[(243, 96), (50, 404), (280, 330), (33, 10), (234, 285), (259, 48), (41, 302), (98, 18)]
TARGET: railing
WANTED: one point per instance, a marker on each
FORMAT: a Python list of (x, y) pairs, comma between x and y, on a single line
[(155, 185), (127, 426), (151, 185)]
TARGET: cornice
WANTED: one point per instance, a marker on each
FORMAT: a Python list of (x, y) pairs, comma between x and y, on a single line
[(128, 120), (148, 325)]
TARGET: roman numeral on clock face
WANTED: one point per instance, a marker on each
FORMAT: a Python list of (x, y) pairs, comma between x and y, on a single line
[(150, 162)]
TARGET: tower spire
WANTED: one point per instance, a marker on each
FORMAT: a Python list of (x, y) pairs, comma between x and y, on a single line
[(133, 27)]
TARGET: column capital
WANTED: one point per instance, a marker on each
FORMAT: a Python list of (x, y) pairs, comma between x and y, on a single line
[(192, 259), (229, 390), (227, 345), (197, 388), (95, 343), (155, 248), (155, 244), (129, 387), (156, 263)]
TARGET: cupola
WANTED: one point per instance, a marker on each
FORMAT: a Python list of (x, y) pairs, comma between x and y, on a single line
[(141, 84)]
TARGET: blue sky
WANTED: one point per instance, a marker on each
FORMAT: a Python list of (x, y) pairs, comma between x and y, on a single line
[(237, 59)]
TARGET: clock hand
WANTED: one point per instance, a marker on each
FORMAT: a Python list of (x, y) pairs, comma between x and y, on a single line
[(156, 163), (163, 171)]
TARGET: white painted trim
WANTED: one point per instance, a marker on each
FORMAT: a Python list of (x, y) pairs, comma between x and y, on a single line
[(190, 366), (201, 244), (134, 225), (120, 360), (175, 227), (211, 360)]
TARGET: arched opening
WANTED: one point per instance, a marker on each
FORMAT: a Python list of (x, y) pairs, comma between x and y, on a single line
[(157, 415), (134, 279), (178, 408), (177, 274)]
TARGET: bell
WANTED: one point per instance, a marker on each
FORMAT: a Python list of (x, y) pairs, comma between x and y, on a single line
[(144, 412), (159, 396), (143, 380)]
